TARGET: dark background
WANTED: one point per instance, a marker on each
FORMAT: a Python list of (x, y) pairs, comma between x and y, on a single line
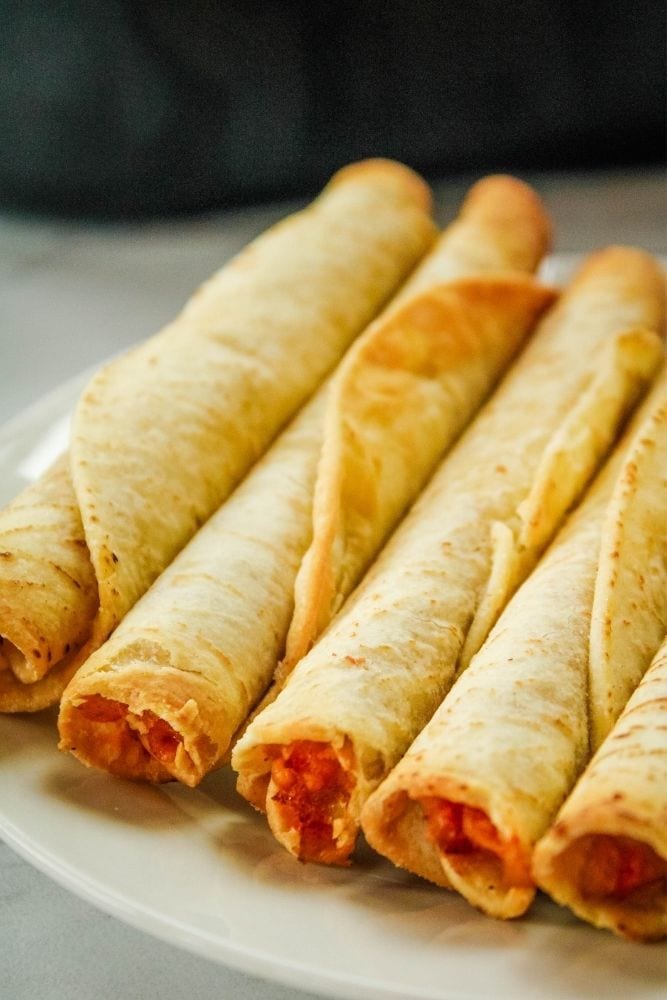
[(126, 109)]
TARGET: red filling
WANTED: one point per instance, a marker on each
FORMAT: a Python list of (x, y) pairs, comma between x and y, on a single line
[(458, 829), (159, 738), (618, 866), (95, 708), (163, 741), (313, 790)]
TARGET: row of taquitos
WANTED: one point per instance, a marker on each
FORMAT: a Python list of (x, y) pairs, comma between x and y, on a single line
[(425, 365), (519, 717), (147, 706)]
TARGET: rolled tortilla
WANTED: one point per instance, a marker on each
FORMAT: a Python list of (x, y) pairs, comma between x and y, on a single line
[(354, 704), (48, 589), (606, 855), (410, 384), (165, 694), (484, 779), (162, 435), (629, 620)]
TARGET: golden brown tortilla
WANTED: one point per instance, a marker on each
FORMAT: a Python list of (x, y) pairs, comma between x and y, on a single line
[(484, 779), (165, 694), (409, 385), (606, 855), (162, 435), (354, 704)]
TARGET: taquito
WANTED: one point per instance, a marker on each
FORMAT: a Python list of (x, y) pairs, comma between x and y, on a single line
[(165, 694), (484, 779), (354, 704), (410, 384), (606, 855), (162, 435)]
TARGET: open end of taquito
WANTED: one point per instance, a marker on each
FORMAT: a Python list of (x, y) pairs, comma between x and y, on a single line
[(606, 855), (613, 881), (168, 691), (307, 799), (492, 866), (445, 833), (127, 744), (307, 789), (48, 591), (162, 435)]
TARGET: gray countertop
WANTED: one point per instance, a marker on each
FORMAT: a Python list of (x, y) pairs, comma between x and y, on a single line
[(70, 296)]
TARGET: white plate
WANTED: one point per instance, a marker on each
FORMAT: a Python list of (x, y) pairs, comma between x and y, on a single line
[(199, 869)]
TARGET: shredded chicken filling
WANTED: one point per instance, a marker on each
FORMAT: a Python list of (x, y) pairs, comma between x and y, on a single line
[(158, 738), (618, 866), (313, 791), (459, 829)]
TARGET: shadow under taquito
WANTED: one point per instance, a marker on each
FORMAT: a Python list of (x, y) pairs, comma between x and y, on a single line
[(115, 799), (26, 734)]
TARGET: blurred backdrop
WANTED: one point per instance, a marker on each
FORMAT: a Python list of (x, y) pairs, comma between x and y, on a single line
[(131, 108)]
